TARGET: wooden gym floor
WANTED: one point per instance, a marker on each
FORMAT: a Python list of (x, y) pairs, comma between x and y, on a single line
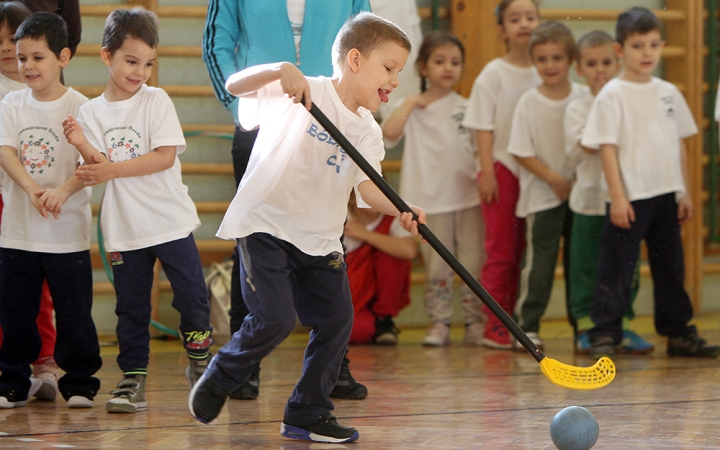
[(431, 398)]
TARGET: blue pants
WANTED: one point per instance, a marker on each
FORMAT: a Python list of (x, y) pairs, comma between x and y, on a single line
[(656, 222), (69, 277), (133, 272), (280, 281)]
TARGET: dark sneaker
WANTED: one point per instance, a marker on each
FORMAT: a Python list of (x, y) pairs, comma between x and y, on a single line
[(602, 346), (129, 397), (250, 389), (326, 429), (634, 344), (386, 333), (12, 399), (347, 388), (196, 368), (691, 345), (206, 400)]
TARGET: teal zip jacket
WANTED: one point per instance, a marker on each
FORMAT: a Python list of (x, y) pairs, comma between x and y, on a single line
[(244, 33)]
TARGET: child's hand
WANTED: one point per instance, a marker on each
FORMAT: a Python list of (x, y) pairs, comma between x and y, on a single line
[(622, 214), (97, 173), (295, 85), (35, 194), (561, 186), (418, 101), (685, 209), (73, 132), (407, 222), (355, 229), (53, 199), (488, 187)]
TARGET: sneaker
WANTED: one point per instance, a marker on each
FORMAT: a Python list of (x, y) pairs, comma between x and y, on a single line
[(691, 345), (633, 344), (517, 346), (602, 346), (347, 388), (473, 333), (497, 336), (385, 332), (582, 343), (250, 389), (129, 397), (47, 372), (196, 368), (10, 398), (80, 400), (326, 429), (206, 400), (437, 336)]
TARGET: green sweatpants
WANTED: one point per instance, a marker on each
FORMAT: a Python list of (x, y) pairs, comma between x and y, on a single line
[(585, 245)]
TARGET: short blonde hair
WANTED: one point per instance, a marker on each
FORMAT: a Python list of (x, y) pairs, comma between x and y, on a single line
[(555, 32), (365, 32)]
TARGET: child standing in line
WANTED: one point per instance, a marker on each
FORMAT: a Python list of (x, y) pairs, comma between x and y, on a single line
[(45, 368), (494, 96), (378, 254), (33, 246), (130, 137), (288, 215), (638, 122), (536, 140), (597, 63), (438, 171)]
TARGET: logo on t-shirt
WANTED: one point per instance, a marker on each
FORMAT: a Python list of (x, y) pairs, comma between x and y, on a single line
[(37, 148), (458, 118), (669, 101), (122, 149)]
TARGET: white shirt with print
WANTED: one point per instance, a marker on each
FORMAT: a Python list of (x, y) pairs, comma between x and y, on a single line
[(141, 211), (35, 130)]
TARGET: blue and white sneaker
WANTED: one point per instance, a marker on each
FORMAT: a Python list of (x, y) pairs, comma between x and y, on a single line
[(326, 429), (582, 343), (633, 344)]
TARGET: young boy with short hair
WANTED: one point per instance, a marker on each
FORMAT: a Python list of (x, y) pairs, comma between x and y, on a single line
[(536, 140), (638, 122), (34, 246), (288, 216), (597, 63), (130, 138)]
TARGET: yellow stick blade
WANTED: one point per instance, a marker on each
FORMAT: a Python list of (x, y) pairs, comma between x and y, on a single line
[(594, 377)]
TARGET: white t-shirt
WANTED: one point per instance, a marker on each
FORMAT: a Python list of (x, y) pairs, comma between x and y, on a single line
[(587, 195), (8, 85), (396, 230), (35, 129), (143, 211), (298, 179), (439, 165), (537, 131), (646, 121), (494, 95)]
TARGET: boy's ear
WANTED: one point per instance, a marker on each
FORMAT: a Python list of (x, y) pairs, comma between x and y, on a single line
[(353, 59), (105, 55), (618, 47), (65, 55)]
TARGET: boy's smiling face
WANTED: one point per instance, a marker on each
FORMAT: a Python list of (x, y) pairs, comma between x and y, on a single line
[(130, 67), (641, 53), (552, 62), (376, 74), (40, 68)]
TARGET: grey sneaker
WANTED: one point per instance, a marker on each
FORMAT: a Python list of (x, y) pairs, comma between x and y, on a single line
[(196, 368), (129, 397), (602, 346), (691, 345)]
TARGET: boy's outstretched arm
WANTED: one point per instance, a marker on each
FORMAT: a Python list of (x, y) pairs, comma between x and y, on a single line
[(161, 158), (75, 136), (252, 79), (397, 247), (685, 205), (373, 196), (559, 184), (622, 213), (14, 168)]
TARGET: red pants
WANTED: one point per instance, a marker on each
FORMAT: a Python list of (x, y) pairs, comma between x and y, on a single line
[(46, 329), (380, 287), (504, 243)]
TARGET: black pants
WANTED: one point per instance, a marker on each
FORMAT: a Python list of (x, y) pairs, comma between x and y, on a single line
[(77, 352), (242, 145), (656, 222)]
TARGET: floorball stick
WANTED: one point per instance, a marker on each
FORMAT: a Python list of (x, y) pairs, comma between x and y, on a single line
[(594, 377)]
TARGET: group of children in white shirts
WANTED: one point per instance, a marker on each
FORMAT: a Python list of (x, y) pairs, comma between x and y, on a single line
[(543, 144)]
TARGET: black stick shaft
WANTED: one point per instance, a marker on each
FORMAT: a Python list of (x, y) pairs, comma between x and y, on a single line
[(429, 236)]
